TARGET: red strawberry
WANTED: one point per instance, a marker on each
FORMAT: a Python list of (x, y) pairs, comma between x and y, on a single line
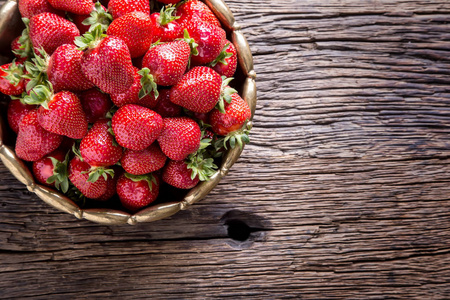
[(106, 62), (136, 192), (18, 50), (179, 137), (79, 174), (131, 96), (210, 39), (136, 127), (197, 8), (111, 184), (236, 114), (50, 31), (29, 8), (198, 90), (119, 8), (164, 25), (98, 147), (16, 111), (95, 104), (11, 81), (177, 174), (167, 62), (60, 113), (135, 29), (64, 69), (143, 162), (51, 170), (226, 63), (165, 107), (34, 142), (80, 7)]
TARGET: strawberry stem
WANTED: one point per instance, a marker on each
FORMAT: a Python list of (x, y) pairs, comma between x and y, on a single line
[(148, 84), (239, 137), (98, 17), (90, 39), (221, 58), (147, 177), (225, 94), (60, 174), (166, 15)]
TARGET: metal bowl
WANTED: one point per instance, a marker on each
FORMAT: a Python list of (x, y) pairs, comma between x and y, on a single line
[(10, 27)]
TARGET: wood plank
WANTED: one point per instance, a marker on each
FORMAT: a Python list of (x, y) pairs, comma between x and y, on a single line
[(344, 188)]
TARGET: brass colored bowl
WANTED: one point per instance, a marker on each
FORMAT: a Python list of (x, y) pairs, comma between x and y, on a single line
[(10, 27)]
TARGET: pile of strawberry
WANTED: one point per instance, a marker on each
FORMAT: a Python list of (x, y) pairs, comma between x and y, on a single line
[(120, 97)]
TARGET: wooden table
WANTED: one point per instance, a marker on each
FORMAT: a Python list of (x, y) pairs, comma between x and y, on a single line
[(344, 191)]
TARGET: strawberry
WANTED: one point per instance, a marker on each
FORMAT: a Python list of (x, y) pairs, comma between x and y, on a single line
[(34, 142), (131, 96), (167, 62), (79, 176), (177, 174), (136, 127), (226, 63), (60, 113), (164, 25), (95, 104), (16, 111), (80, 7), (135, 29), (50, 31), (210, 39), (237, 113), (29, 8), (142, 162), (198, 90), (51, 170), (98, 16), (179, 137), (106, 62), (98, 147), (165, 107), (11, 81), (136, 192), (16, 48), (195, 8), (64, 69), (111, 184), (119, 8)]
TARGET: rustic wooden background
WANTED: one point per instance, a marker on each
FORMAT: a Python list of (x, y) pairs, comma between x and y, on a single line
[(344, 191)]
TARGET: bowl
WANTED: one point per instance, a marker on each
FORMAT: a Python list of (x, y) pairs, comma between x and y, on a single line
[(11, 26)]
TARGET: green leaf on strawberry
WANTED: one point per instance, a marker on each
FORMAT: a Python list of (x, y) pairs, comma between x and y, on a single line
[(96, 172), (225, 94), (148, 84), (14, 73), (98, 17), (26, 48), (222, 58), (60, 174), (239, 137), (91, 38), (147, 177), (39, 95), (166, 15)]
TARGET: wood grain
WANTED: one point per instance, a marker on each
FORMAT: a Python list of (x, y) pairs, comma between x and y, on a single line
[(345, 186)]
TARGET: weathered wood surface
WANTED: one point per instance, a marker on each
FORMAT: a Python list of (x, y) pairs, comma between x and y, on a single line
[(345, 186)]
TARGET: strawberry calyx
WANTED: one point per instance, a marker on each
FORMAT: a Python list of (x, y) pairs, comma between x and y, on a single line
[(222, 57), (147, 177), (98, 17), (166, 15), (238, 137), (39, 95), (201, 162), (90, 39), (26, 48), (225, 94), (96, 172), (148, 84), (60, 175), (192, 44), (14, 73), (37, 70), (76, 195)]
